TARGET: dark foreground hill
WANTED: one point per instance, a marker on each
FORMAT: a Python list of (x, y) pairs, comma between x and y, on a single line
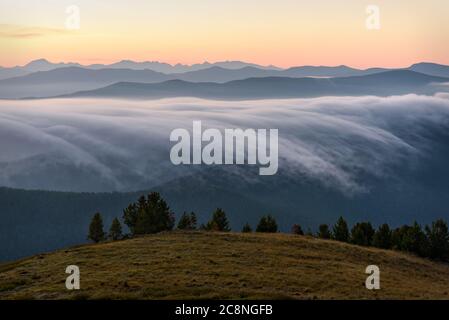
[(224, 266)]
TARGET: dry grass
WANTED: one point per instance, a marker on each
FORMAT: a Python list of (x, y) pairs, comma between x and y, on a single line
[(197, 265)]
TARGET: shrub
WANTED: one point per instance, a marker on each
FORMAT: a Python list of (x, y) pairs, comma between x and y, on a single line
[(247, 228), (296, 229), (309, 232), (324, 232)]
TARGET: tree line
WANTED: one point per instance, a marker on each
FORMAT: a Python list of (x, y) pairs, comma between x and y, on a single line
[(152, 214)]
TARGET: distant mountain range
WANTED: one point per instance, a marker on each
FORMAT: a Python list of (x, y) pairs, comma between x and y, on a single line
[(381, 84), (41, 78), (297, 71), (45, 65)]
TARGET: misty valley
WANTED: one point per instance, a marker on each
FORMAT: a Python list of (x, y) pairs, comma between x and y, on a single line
[(383, 159)]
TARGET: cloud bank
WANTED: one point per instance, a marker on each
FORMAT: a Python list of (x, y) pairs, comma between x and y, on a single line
[(121, 145)]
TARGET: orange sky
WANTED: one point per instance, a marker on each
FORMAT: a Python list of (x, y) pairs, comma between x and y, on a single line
[(282, 32)]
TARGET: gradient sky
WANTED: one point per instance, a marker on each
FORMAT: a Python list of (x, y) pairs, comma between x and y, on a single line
[(281, 32)]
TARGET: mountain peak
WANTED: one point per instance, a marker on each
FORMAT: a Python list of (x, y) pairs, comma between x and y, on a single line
[(36, 62)]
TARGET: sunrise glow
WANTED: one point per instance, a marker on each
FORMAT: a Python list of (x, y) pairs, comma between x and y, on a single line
[(283, 33)]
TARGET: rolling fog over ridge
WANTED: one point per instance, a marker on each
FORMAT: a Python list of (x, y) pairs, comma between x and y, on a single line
[(123, 145)]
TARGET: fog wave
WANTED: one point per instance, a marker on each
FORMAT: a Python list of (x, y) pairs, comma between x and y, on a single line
[(123, 145)]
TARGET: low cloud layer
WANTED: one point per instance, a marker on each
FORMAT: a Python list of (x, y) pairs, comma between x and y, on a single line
[(121, 145)]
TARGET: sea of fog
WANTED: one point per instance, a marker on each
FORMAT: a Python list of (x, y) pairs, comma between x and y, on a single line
[(123, 145)]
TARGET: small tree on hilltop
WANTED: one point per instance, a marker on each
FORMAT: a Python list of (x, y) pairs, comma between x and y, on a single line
[(324, 232), (296, 229), (362, 234), (415, 240), (219, 222), (115, 232), (438, 236), (247, 228), (267, 224), (130, 216), (96, 233), (397, 238), (149, 215), (187, 221), (193, 221), (341, 231), (382, 237), (410, 239)]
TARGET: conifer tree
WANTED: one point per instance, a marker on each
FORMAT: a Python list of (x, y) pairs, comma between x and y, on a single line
[(219, 222), (96, 233), (115, 232), (267, 224), (341, 231)]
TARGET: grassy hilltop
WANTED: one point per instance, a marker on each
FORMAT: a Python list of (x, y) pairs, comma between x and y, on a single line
[(195, 265)]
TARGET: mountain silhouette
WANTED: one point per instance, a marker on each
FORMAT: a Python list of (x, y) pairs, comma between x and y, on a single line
[(62, 79)]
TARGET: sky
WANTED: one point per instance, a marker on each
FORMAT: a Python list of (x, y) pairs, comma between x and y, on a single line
[(282, 32)]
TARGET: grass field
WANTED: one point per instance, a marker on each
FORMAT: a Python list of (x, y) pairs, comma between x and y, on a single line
[(199, 265)]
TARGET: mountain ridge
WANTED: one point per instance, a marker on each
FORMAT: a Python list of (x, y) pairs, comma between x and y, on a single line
[(73, 78), (385, 83)]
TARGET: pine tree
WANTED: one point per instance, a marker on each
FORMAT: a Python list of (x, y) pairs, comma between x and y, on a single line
[(341, 231), (115, 232), (362, 234), (193, 220), (247, 228), (184, 221), (130, 217), (187, 221), (149, 215), (267, 224), (415, 240), (410, 239), (324, 232), (96, 233), (382, 237), (219, 222), (438, 237)]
